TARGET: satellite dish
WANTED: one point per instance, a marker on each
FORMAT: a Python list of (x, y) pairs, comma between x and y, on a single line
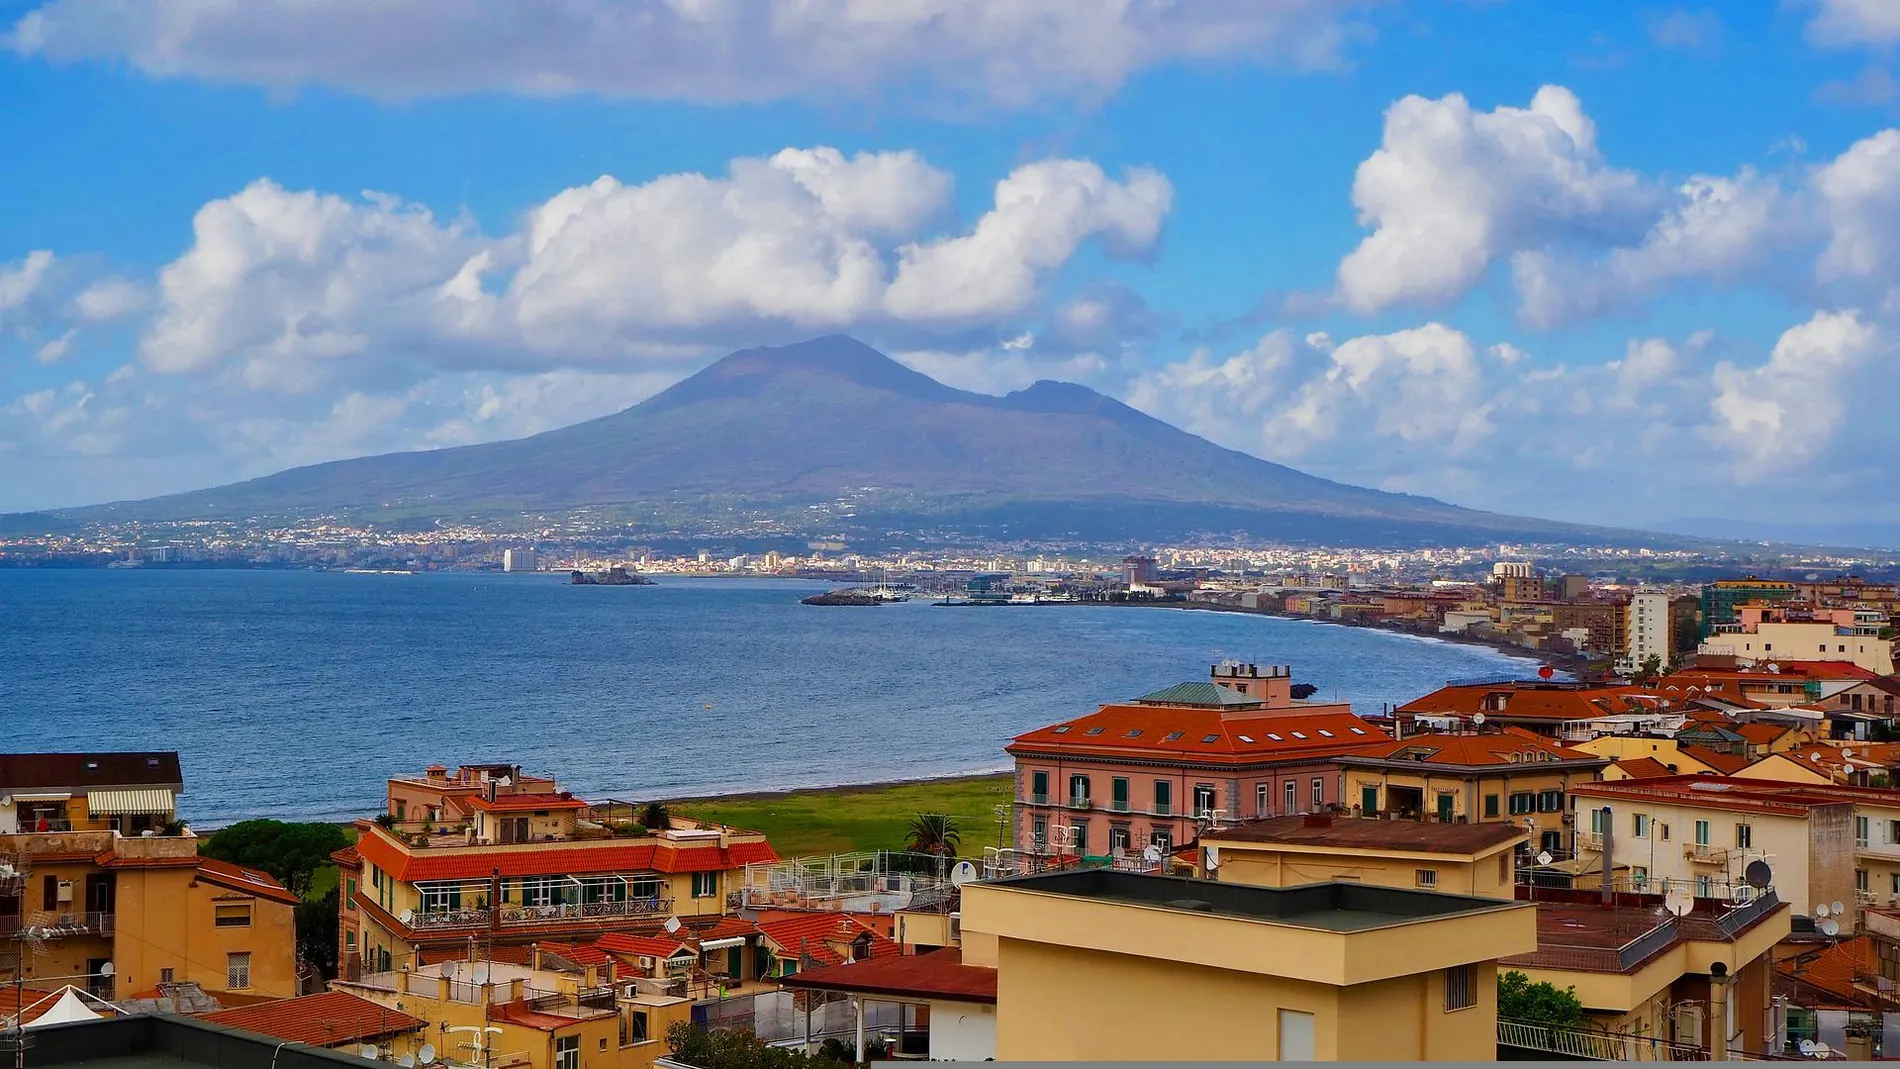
[(1820, 909), (408, 915), (1543, 857), (1830, 927), (1816, 756), (1151, 854), (963, 873), (1838, 910), (672, 925), (5, 800), (407, 1061), (427, 1053), (1758, 875), (1478, 719), (369, 1051), (106, 969), (1809, 1046)]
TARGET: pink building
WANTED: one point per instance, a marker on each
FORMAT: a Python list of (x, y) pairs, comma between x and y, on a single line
[(1143, 772)]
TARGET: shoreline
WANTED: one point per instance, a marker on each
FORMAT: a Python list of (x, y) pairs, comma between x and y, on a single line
[(840, 788)]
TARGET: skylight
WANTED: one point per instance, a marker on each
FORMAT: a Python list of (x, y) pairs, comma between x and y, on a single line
[(1244, 738), (1172, 735), (1133, 733), (1299, 734), (1325, 733), (1709, 786), (1093, 731), (1210, 738), (1274, 737), (1063, 730), (1358, 731)]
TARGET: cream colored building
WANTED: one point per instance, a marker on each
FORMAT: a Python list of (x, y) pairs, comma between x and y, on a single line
[(1805, 642), (1226, 971)]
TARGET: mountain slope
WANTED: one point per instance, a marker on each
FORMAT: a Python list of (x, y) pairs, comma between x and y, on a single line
[(829, 419)]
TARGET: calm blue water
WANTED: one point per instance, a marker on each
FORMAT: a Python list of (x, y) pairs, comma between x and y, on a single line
[(295, 694)]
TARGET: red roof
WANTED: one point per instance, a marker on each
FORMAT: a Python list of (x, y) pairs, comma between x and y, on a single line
[(810, 933), (1534, 701), (12, 1002), (524, 1013), (1721, 760), (1206, 735), (1644, 768), (326, 1020), (645, 946), (514, 803), (347, 858), (1719, 792), (1510, 747), (577, 953), (239, 878), (937, 974), (649, 854), (506, 953)]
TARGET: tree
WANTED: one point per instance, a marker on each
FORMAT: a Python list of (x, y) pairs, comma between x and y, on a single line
[(1537, 1003), (729, 1048), (655, 817), (317, 932), (934, 833), (1649, 671), (291, 852)]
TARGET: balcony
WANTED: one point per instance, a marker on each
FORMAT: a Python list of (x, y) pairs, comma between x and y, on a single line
[(1889, 851), (1863, 897), (1163, 809), (1039, 798), (1590, 840), (1079, 801), (58, 925), (1119, 805), (1705, 854), (566, 911)]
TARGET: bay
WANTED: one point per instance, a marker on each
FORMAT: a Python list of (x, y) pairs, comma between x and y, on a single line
[(296, 694)]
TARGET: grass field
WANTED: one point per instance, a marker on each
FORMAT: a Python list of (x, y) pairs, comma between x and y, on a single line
[(842, 820)]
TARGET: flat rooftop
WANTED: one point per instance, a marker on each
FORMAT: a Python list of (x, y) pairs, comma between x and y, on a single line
[(149, 1041), (1330, 907)]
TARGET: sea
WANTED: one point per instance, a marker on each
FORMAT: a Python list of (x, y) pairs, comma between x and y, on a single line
[(296, 694)]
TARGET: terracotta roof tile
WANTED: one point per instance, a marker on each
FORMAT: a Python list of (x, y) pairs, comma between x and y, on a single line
[(512, 803), (347, 858), (592, 856), (645, 946), (810, 935), (1532, 700), (1644, 768), (1202, 734), (239, 878), (325, 1020), (1721, 760), (1359, 833), (937, 974), (1506, 748)]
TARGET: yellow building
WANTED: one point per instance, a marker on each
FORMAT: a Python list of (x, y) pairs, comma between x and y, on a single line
[(1508, 776), (1666, 752), (103, 885), (1465, 859), (527, 1017), (1805, 641), (1226, 971), (1657, 986), (527, 866)]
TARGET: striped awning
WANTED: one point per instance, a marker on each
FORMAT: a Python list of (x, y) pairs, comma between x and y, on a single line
[(129, 803), (42, 797)]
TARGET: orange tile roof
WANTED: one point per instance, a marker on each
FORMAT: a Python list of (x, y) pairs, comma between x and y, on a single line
[(323, 1020), (510, 803), (592, 856), (1720, 760), (1761, 731), (239, 878), (1507, 748), (1202, 735), (936, 974), (1535, 701), (1721, 792), (1832, 971), (809, 934), (506, 953), (13, 1001), (347, 858), (1644, 768), (577, 953), (524, 1013), (646, 946)]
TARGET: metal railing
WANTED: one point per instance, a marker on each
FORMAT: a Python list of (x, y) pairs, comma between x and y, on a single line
[(1078, 801), (1705, 853), (1732, 923), (433, 919), (563, 911), (1604, 1046), (1589, 840)]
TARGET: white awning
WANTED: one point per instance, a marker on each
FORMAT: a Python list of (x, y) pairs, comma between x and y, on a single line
[(128, 803), (68, 1009), (722, 944), (41, 797)]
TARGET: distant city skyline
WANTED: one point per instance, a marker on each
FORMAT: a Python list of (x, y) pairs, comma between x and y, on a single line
[(1621, 265)]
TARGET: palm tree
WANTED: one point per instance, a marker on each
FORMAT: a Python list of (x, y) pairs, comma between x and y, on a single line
[(655, 817), (934, 833)]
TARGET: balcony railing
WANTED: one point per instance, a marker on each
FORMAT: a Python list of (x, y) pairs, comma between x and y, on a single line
[(435, 919), (1886, 850), (58, 925), (1163, 809), (1039, 798), (1119, 805), (1079, 801), (1863, 897), (1589, 840), (565, 911), (1705, 853)]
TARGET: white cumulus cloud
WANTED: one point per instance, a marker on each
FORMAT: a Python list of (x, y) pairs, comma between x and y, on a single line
[(1852, 23), (1785, 412)]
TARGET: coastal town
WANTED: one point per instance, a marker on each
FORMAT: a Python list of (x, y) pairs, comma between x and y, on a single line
[(1688, 848)]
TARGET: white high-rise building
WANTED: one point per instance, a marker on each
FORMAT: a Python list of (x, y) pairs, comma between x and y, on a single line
[(1649, 631), (517, 560)]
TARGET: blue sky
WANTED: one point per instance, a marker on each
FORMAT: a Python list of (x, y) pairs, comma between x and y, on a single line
[(1622, 263)]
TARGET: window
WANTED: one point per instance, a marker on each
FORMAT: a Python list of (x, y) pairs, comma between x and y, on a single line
[(1292, 796), (352, 895), (1860, 880), (705, 884), (1118, 838), (1704, 887), (1203, 797), (1319, 793), (1744, 836), (633, 1028), (567, 1052), (1598, 819), (349, 942), (1702, 833), (1662, 831), (237, 971), (1490, 805), (1523, 802), (1550, 802), (1078, 790), (1296, 1036), (1461, 987), (1164, 797), (1860, 831), (1039, 833), (1039, 788), (166, 976), (1261, 800), (1162, 839), (1368, 799), (603, 1044), (1639, 825), (231, 916), (1427, 878), (1119, 794), (1082, 838)]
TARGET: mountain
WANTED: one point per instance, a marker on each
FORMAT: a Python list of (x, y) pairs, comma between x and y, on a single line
[(832, 434)]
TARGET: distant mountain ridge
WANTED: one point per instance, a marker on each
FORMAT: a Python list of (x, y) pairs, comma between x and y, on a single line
[(835, 430)]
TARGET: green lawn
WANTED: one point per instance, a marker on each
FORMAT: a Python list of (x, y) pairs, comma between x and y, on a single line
[(830, 821), (326, 877)]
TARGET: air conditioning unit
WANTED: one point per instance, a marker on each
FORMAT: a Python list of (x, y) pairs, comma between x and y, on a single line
[(630, 991), (956, 927)]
